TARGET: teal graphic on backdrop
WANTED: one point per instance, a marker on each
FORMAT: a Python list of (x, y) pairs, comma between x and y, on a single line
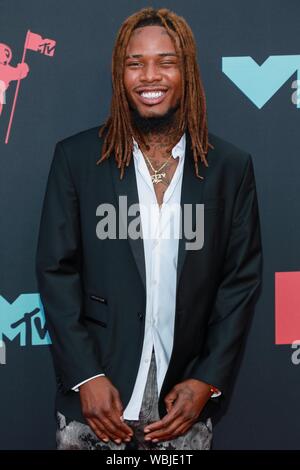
[(260, 82), (23, 319)]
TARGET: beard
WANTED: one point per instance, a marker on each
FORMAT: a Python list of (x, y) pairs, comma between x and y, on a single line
[(155, 124)]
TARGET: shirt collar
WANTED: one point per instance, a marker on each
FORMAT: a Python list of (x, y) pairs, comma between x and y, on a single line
[(177, 151)]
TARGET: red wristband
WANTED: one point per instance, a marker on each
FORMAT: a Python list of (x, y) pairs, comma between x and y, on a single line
[(213, 389)]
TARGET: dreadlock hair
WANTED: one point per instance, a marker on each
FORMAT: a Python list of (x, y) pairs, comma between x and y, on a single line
[(118, 127)]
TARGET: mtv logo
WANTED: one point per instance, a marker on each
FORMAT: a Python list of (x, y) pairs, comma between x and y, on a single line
[(260, 82), (287, 307), (25, 319)]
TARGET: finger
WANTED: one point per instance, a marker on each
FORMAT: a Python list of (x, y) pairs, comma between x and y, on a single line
[(110, 418), (179, 414), (171, 429), (169, 406), (120, 423), (99, 431), (171, 396), (170, 399), (180, 431), (103, 422), (113, 428), (100, 425), (184, 428), (175, 412)]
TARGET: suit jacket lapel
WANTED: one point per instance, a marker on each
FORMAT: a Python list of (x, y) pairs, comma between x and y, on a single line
[(128, 187), (191, 193)]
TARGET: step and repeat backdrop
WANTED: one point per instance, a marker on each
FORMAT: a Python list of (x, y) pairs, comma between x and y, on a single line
[(55, 80)]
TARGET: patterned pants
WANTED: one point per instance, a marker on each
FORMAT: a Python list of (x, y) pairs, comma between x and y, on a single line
[(76, 435)]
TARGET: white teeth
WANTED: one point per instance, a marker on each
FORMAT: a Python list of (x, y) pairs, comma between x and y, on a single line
[(152, 95)]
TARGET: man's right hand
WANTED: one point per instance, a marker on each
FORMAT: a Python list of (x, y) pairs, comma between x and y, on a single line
[(102, 408)]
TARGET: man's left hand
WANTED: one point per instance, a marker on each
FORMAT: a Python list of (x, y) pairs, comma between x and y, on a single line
[(184, 404)]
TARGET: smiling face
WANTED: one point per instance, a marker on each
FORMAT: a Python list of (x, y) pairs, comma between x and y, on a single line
[(152, 72)]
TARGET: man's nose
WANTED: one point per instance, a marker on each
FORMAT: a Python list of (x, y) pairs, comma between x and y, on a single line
[(150, 73)]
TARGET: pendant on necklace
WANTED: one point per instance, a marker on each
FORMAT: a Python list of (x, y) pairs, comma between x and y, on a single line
[(157, 177)]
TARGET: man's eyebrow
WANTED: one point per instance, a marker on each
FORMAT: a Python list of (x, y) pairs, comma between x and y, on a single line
[(165, 54), (161, 54)]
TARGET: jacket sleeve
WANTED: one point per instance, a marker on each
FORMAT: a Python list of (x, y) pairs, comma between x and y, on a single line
[(237, 292), (58, 266)]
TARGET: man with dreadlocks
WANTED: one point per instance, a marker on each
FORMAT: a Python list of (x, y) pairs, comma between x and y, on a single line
[(146, 331)]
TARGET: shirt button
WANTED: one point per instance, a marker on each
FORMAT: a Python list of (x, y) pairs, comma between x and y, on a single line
[(146, 360)]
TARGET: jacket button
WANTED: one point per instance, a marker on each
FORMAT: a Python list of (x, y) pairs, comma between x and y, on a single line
[(140, 315)]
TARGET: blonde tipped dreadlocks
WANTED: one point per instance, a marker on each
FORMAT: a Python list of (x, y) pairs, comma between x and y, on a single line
[(118, 127)]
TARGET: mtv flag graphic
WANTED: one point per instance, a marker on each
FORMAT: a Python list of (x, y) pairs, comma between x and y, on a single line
[(35, 42)]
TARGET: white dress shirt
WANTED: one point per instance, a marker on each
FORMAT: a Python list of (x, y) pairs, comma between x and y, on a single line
[(161, 229), (160, 226)]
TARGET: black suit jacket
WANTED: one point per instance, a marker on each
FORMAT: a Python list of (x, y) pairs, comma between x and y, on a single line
[(93, 291)]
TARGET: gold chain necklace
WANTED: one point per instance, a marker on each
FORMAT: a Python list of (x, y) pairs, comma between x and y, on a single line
[(157, 177)]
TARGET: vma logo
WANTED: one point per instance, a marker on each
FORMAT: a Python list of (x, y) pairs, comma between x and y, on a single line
[(23, 319), (260, 82)]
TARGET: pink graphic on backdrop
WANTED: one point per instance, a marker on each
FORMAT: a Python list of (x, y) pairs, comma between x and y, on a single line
[(9, 73), (287, 307), (36, 43), (33, 42)]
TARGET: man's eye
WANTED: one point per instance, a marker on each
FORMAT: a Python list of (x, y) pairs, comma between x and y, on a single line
[(133, 63)]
